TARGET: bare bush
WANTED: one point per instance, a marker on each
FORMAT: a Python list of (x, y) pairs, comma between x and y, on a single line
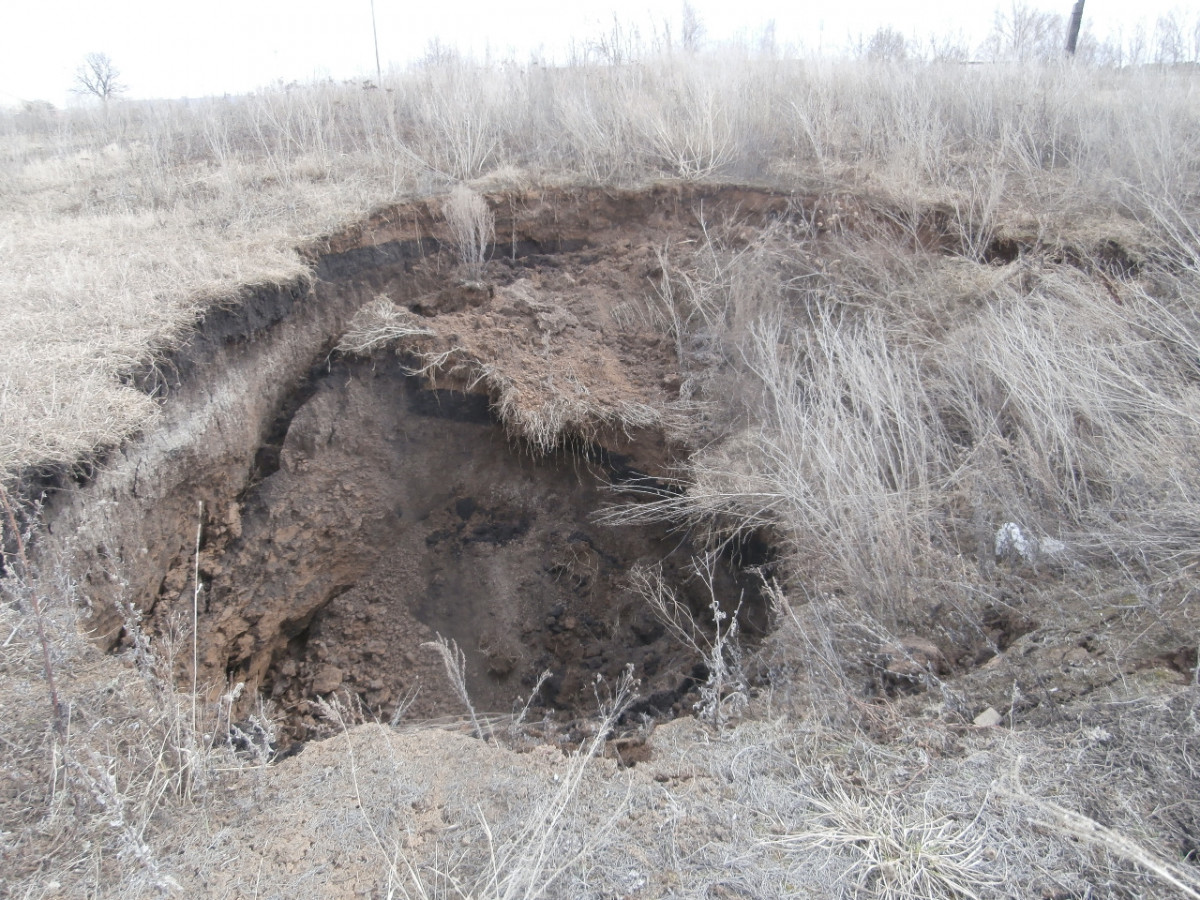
[(472, 227), (724, 695), (885, 45), (692, 134)]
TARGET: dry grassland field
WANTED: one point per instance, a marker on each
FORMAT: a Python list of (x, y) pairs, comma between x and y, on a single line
[(672, 474)]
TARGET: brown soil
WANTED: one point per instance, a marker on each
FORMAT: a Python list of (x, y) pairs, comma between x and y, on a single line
[(400, 513), (350, 512)]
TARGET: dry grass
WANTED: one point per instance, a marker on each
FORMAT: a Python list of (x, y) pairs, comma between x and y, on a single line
[(120, 230), (473, 228), (771, 808), (890, 399), (891, 408), (87, 809), (378, 324), (894, 849)]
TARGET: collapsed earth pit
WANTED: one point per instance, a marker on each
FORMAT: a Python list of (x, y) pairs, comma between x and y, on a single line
[(400, 513), (350, 511)]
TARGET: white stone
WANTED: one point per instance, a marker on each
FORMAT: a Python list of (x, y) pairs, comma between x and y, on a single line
[(989, 718)]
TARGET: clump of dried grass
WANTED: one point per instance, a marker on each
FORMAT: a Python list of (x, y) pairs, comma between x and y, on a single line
[(473, 228), (544, 419), (378, 324), (894, 849)]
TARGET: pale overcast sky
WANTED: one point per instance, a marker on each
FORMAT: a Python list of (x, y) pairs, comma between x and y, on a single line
[(172, 49)]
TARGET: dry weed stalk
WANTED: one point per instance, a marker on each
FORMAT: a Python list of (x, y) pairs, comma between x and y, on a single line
[(528, 863), (1090, 831), (525, 864), (58, 717), (456, 672), (472, 228), (196, 588), (521, 705), (724, 695)]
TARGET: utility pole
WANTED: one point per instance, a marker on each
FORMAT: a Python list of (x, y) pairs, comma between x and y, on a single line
[(375, 33), (1072, 28)]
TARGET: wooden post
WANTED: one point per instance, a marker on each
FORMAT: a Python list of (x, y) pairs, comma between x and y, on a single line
[(1073, 27), (375, 34)]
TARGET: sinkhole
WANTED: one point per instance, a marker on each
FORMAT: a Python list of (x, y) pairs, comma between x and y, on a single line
[(393, 513), (324, 516)]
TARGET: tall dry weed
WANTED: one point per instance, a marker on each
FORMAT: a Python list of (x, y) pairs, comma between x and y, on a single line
[(892, 409), (96, 789), (472, 228)]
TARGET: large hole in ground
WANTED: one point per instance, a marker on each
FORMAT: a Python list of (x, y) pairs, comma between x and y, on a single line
[(353, 512), (380, 512), (399, 513)]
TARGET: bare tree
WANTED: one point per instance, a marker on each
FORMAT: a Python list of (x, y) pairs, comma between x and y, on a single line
[(886, 44), (692, 30), (98, 77), (1024, 33), (1173, 43)]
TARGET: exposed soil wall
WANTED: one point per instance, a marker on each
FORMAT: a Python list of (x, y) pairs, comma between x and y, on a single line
[(349, 512), (399, 513)]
